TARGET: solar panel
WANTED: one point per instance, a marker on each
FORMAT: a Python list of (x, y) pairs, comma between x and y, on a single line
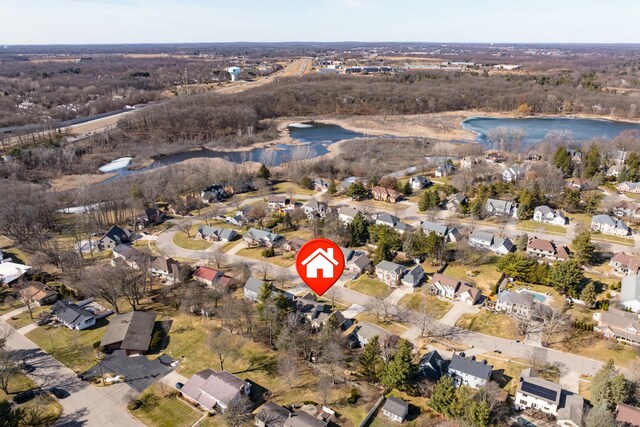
[(539, 391)]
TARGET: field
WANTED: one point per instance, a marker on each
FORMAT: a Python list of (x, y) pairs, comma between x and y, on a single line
[(72, 348), (287, 187), (588, 344), (499, 325), (286, 259), (369, 286), (438, 307)]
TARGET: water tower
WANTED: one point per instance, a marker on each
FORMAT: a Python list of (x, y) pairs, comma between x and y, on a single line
[(235, 72)]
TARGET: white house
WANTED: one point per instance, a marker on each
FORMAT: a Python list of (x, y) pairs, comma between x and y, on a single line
[(513, 174), (315, 209), (498, 207), (454, 289), (252, 288), (346, 214), (547, 215), (608, 225), (537, 394), (414, 276), (390, 272), (322, 260), (469, 371), (72, 315), (419, 182), (630, 293), (515, 304), (629, 187), (489, 241), (395, 409), (278, 201)]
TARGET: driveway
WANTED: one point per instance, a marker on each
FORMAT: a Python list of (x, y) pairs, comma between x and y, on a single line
[(139, 372), (458, 309), (86, 405)]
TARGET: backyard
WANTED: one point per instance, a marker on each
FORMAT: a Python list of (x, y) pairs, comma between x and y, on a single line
[(484, 276)]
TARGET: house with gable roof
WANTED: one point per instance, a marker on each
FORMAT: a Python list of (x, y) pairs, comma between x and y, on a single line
[(256, 237), (390, 273), (547, 250), (393, 222), (454, 289), (114, 237), (547, 215), (630, 293), (469, 372), (489, 241), (609, 225), (496, 207), (215, 234), (618, 325), (538, 394), (215, 390), (625, 264)]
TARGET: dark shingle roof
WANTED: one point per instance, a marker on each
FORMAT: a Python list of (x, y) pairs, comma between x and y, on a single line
[(133, 329), (469, 366), (395, 406)]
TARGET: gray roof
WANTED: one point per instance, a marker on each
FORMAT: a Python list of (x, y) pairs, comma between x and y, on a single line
[(117, 234), (495, 205), (428, 227), (70, 313), (207, 385), (254, 284), (302, 419), (391, 267), (361, 262), (608, 220), (348, 211), (470, 366), (258, 234), (516, 298), (369, 330), (273, 415), (414, 275), (630, 288), (573, 409), (220, 232), (396, 406), (532, 385), (482, 236), (133, 329)]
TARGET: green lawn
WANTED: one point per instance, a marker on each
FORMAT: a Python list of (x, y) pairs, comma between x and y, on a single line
[(485, 275), (583, 219), (72, 348), (181, 239), (287, 187), (24, 319), (165, 409), (10, 304), (285, 259), (499, 325), (612, 239), (370, 286), (539, 226), (47, 405), (438, 307)]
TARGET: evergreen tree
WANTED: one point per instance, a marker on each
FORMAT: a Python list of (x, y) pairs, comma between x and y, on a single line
[(562, 160), (443, 395), (583, 249), (371, 360), (434, 247), (415, 244), (479, 414), (306, 182), (400, 369), (600, 416), (264, 172), (429, 199), (477, 209), (266, 290), (566, 277), (333, 188), (588, 294), (592, 162), (516, 266), (357, 191), (571, 200), (359, 229), (10, 417), (610, 386), (406, 188)]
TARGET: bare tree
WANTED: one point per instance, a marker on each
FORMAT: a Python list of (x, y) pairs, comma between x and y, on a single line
[(221, 344), (218, 256)]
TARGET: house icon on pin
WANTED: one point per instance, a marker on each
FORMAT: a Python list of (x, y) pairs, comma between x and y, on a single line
[(321, 259)]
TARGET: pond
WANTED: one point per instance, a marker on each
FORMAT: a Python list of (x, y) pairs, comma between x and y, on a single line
[(535, 129), (317, 136)]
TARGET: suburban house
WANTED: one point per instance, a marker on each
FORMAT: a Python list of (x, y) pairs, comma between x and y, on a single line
[(303, 419), (11, 271), (365, 332), (271, 415), (214, 193), (629, 187), (256, 237), (449, 234), (238, 187), (625, 264), (294, 245), (215, 234), (444, 169), (315, 312), (630, 293), (114, 237), (516, 304), (497, 207), (213, 390), (576, 156), (346, 214), (614, 171), (345, 184), (489, 241), (72, 315), (238, 219), (413, 277), (392, 221), (390, 273), (315, 209), (39, 294), (419, 182), (513, 174), (132, 257), (547, 215), (212, 278), (454, 202), (358, 263), (571, 413), (432, 366), (627, 209), (384, 194), (618, 325), (278, 201), (536, 393), (469, 161), (395, 409), (469, 372), (152, 216), (252, 288), (320, 184), (578, 184), (164, 267), (130, 332), (547, 250), (454, 289), (609, 225), (627, 414), (617, 157)]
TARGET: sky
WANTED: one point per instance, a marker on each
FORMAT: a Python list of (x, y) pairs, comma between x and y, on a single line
[(179, 21)]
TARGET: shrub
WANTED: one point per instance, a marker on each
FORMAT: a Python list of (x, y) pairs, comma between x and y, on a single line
[(156, 339), (268, 253), (353, 398), (310, 402), (96, 344), (134, 404)]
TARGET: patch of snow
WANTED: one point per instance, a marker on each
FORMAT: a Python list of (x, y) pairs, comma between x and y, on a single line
[(300, 125), (116, 164)]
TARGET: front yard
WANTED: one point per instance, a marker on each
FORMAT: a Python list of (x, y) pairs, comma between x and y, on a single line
[(24, 319), (282, 259), (370, 286), (601, 237), (437, 306), (163, 408), (181, 239), (47, 406), (541, 227), (485, 322), (484, 276)]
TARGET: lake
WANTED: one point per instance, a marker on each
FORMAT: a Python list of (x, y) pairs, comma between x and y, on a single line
[(317, 136), (535, 129)]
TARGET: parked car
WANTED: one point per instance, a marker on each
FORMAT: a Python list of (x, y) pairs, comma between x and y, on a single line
[(179, 385), (27, 368), (26, 396), (58, 392)]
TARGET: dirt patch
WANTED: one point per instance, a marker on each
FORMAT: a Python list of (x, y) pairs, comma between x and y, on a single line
[(73, 182)]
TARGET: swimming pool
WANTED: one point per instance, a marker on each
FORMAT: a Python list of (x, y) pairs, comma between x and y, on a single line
[(536, 295)]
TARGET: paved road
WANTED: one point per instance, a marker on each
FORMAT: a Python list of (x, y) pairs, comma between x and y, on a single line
[(86, 405)]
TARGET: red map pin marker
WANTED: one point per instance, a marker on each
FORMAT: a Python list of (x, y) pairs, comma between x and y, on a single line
[(320, 264)]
